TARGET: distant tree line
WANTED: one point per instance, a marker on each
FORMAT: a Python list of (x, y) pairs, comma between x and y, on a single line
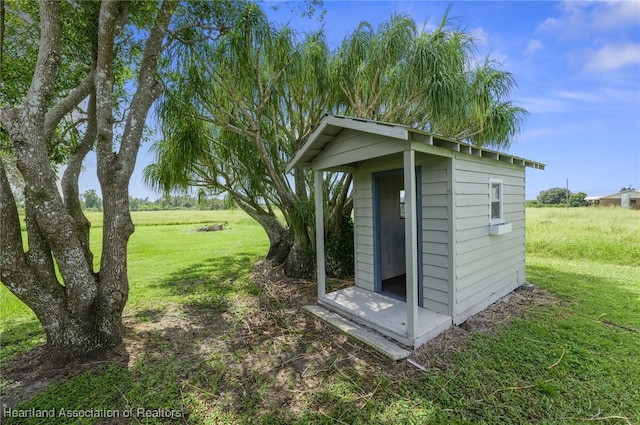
[(558, 196), (90, 201)]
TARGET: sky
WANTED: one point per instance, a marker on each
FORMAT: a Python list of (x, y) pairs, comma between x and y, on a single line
[(576, 63)]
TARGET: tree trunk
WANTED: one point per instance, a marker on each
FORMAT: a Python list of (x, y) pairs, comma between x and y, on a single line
[(300, 261), (294, 253), (72, 332), (81, 311), (279, 237)]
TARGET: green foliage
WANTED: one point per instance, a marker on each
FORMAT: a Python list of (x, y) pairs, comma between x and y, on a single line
[(20, 46), (578, 200), (91, 200), (339, 249), (242, 97), (76, 54), (398, 73), (555, 195)]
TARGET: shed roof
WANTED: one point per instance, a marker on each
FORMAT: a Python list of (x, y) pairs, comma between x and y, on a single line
[(331, 125), (632, 194)]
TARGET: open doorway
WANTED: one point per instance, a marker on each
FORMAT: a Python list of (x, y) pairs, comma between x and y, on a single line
[(389, 234)]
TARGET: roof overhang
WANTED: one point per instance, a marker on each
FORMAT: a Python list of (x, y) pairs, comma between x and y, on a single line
[(331, 125), (633, 194)]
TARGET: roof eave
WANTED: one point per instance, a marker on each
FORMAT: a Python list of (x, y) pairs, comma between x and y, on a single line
[(396, 131)]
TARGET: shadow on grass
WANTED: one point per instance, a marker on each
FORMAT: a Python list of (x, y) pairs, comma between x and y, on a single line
[(19, 336), (232, 352), (241, 351), (605, 299), (212, 283)]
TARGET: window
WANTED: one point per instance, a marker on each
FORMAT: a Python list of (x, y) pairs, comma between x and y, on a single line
[(495, 200)]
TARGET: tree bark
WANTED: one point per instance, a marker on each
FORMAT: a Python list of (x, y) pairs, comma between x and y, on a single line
[(115, 168), (300, 261), (69, 183), (82, 313), (279, 237)]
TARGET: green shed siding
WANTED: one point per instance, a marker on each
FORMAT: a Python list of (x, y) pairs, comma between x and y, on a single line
[(350, 146), (435, 232), (487, 267), (363, 230)]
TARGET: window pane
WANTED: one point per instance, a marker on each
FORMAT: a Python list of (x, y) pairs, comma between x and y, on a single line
[(495, 210), (495, 191)]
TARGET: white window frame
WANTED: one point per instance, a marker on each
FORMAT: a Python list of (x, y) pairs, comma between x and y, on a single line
[(500, 218)]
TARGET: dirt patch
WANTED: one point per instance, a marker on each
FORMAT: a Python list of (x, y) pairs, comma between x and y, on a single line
[(212, 227), (28, 374), (261, 351)]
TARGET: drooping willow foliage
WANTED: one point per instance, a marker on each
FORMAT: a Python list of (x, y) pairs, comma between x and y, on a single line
[(239, 104)]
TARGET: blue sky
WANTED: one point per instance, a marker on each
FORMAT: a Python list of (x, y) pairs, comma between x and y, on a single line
[(577, 65)]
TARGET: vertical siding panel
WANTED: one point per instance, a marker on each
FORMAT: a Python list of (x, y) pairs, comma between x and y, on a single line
[(363, 229), (435, 234)]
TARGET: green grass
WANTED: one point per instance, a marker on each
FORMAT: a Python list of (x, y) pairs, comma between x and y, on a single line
[(603, 235), (169, 217), (162, 256), (248, 355)]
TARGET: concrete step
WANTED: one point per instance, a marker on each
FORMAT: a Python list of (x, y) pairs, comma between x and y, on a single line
[(374, 340)]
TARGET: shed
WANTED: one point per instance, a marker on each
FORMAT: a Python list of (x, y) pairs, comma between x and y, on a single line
[(625, 199), (439, 225)]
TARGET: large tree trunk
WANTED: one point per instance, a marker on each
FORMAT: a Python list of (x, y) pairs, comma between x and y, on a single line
[(300, 261), (81, 311), (67, 314), (286, 247), (279, 237)]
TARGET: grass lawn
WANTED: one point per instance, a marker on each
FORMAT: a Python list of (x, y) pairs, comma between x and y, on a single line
[(207, 343)]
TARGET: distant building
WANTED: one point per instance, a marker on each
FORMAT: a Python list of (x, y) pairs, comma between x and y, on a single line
[(624, 199)]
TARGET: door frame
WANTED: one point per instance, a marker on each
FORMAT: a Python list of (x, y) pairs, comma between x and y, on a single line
[(377, 267)]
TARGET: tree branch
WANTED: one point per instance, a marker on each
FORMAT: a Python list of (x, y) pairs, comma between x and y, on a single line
[(70, 178), (104, 81), (48, 58), (40, 254), (2, 7), (148, 89), (65, 105), (15, 272), (11, 250)]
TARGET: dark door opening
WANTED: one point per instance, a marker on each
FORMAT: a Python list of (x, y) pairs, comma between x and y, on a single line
[(396, 286), (389, 234), (390, 189)]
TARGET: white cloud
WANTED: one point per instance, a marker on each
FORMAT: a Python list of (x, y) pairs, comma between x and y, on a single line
[(613, 14), (579, 96), (542, 105), (538, 133), (480, 36), (571, 24), (581, 19), (534, 46), (596, 97), (613, 57)]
